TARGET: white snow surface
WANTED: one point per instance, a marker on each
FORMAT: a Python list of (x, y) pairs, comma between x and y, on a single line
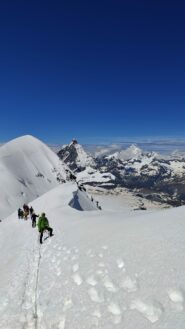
[(90, 175), (101, 269), (28, 168)]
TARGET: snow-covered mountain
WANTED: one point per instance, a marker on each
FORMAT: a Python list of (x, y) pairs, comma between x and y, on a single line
[(84, 166), (28, 168), (75, 156), (102, 269)]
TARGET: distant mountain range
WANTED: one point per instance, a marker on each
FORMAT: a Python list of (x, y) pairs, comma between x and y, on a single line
[(149, 175)]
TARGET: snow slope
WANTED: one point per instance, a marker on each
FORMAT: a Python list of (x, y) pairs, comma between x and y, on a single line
[(80, 201), (101, 269), (90, 175), (28, 168)]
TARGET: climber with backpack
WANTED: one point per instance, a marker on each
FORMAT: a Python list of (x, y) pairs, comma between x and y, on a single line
[(43, 225), (33, 219), (31, 211), (20, 213)]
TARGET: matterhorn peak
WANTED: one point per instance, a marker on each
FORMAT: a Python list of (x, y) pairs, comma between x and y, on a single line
[(75, 156), (74, 142)]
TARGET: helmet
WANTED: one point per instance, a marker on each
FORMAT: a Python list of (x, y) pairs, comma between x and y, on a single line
[(43, 214)]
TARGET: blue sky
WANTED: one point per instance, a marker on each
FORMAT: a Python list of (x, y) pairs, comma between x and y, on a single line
[(92, 70)]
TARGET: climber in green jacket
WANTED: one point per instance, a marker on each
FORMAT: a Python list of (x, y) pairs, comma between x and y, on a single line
[(43, 224)]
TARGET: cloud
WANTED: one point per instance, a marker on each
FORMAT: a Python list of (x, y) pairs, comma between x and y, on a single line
[(102, 151)]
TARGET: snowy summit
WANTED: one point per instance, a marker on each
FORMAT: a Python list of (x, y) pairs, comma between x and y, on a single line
[(75, 156), (28, 168)]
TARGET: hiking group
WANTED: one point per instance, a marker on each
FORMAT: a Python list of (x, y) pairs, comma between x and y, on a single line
[(43, 223)]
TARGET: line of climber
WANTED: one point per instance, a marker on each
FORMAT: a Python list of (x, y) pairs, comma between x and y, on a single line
[(43, 223)]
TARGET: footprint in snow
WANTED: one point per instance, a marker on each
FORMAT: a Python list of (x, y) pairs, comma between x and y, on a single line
[(114, 309), (88, 252), (104, 247), (73, 258), (58, 273), (75, 268), (95, 296), (177, 299), (109, 285), (100, 255), (99, 272), (152, 311), (131, 285), (62, 322), (97, 314), (53, 259), (77, 279), (91, 281), (120, 263), (67, 304)]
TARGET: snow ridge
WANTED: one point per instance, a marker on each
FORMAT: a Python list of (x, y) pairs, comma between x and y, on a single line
[(28, 168)]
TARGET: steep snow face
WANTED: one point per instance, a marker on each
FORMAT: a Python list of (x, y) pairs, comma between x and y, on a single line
[(75, 156), (80, 201), (28, 168), (127, 269), (83, 159)]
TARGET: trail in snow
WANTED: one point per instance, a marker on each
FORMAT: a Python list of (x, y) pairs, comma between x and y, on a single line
[(91, 292), (36, 290), (99, 270)]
